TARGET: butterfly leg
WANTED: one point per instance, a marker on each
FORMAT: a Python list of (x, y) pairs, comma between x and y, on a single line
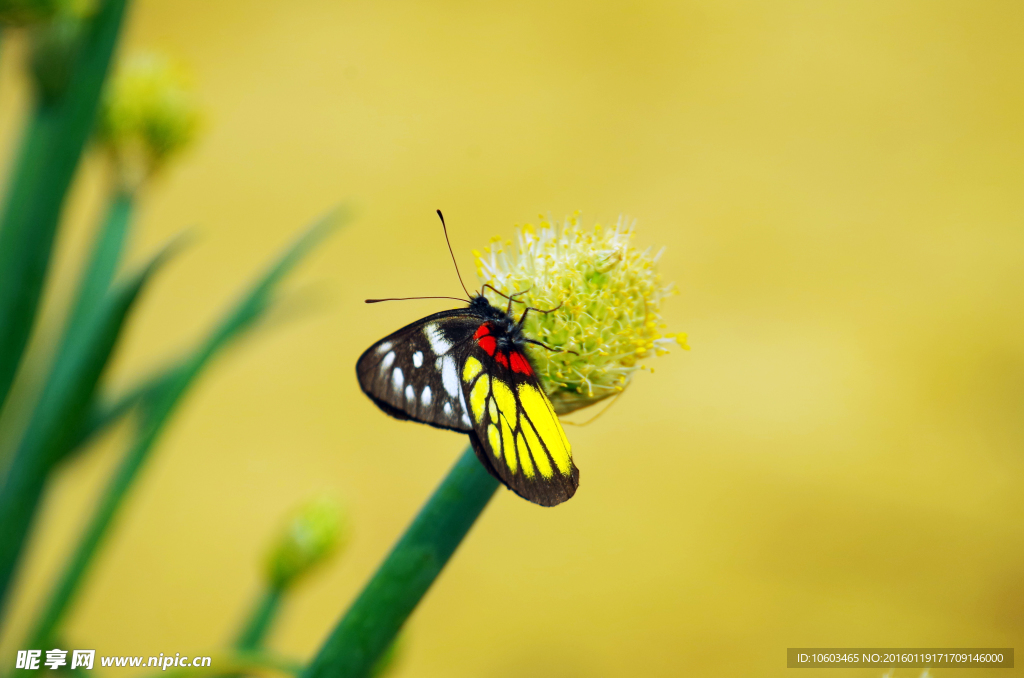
[(550, 310), (553, 350), (512, 297), (522, 318)]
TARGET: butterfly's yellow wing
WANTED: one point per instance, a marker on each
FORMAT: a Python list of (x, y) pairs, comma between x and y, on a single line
[(517, 434)]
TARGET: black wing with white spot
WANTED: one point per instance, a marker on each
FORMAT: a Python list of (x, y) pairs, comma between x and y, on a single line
[(414, 372)]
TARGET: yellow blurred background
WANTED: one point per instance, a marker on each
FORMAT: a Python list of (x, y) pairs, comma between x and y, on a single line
[(837, 462)]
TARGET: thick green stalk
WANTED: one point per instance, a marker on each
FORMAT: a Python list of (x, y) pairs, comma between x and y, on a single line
[(372, 622), (260, 619), (157, 408), (46, 163)]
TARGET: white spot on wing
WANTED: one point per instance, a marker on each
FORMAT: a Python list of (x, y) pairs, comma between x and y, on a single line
[(450, 377), (397, 378), (425, 398), (417, 359), (410, 394), (465, 410), (448, 409), (389, 360), (438, 343), (385, 347)]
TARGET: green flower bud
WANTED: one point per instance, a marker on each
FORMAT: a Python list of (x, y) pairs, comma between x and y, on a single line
[(607, 298), (147, 115), (316, 531)]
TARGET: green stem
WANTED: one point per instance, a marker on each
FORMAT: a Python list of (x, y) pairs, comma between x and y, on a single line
[(46, 163), (371, 624), (258, 624)]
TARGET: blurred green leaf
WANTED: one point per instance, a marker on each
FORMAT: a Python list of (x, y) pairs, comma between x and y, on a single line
[(157, 407), (103, 262), (104, 410), (95, 281), (49, 154), (57, 418)]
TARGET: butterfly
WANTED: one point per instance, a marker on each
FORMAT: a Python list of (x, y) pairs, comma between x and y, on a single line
[(466, 370)]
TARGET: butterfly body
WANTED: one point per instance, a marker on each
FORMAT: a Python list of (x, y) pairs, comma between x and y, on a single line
[(466, 370)]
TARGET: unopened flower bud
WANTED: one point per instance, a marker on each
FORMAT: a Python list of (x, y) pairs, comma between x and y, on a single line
[(315, 532), (148, 114)]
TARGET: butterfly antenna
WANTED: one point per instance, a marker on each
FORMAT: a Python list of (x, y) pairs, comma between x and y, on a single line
[(445, 227), (377, 301)]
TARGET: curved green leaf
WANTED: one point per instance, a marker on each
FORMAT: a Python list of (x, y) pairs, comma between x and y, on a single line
[(158, 405), (46, 163), (57, 418)]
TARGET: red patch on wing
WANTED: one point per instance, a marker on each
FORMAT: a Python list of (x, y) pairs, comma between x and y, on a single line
[(519, 363), (502, 359), (484, 338), (487, 343)]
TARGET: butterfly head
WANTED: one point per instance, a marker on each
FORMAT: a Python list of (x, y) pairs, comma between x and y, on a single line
[(507, 332)]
